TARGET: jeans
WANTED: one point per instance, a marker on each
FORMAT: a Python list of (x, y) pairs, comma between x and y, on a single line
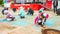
[(55, 8)]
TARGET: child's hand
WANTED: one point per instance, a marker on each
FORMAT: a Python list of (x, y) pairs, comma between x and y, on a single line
[(7, 16)]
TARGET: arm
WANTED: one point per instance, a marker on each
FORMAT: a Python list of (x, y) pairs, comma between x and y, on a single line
[(7, 16), (44, 19), (35, 20)]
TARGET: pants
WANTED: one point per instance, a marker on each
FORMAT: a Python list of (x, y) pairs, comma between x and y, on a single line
[(55, 8), (22, 17), (41, 24), (11, 18), (30, 13), (14, 9)]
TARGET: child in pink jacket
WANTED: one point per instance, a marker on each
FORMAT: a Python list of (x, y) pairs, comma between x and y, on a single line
[(41, 18)]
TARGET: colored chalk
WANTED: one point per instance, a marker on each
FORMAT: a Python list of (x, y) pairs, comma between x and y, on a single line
[(3, 20), (49, 23), (35, 27), (19, 23)]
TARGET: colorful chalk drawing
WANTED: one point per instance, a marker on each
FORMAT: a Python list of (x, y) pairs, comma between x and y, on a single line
[(34, 26), (3, 20), (19, 23), (49, 22)]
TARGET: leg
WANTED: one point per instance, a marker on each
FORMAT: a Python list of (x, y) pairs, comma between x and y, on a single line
[(40, 24), (28, 13), (22, 17), (57, 12), (32, 13), (54, 9), (12, 19)]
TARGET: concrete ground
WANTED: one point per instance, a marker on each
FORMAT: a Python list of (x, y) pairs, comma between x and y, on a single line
[(27, 26)]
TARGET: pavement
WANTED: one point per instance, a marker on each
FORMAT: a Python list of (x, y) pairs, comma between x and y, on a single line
[(27, 26)]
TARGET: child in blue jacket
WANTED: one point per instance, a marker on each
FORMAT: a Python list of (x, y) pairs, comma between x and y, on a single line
[(22, 12)]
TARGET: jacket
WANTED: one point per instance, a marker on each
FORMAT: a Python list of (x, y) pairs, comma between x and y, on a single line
[(37, 17), (56, 3)]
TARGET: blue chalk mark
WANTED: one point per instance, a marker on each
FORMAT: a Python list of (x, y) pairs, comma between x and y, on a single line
[(35, 27), (19, 23), (17, 16), (55, 19), (23, 24), (3, 20), (49, 23), (51, 19)]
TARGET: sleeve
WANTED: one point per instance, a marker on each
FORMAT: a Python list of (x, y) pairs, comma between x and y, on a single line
[(46, 15), (44, 20), (35, 20)]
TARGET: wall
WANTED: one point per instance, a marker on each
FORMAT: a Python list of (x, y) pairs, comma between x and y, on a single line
[(58, 4)]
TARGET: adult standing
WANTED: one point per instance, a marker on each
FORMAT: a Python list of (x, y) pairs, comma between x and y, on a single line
[(55, 5), (33, 1)]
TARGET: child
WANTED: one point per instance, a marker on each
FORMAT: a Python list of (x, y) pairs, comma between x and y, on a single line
[(9, 16), (40, 19), (22, 12), (41, 10), (30, 11), (14, 9)]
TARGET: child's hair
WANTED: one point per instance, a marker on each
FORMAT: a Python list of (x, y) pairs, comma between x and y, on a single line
[(5, 12), (6, 8), (42, 15), (40, 11)]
